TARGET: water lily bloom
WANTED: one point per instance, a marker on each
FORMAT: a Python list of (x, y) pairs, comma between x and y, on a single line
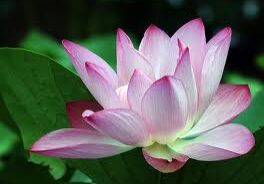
[(166, 97)]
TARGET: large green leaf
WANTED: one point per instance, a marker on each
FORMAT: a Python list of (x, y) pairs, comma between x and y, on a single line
[(35, 88)]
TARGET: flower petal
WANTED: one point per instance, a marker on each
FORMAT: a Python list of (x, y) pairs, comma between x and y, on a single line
[(122, 93), (79, 56), (163, 165), (101, 88), (129, 59), (121, 124), (75, 110), (164, 107), (192, 35), (122, 40), (138, 85), (77, 143), (217, 49), (229, 101), (224, 142), (185, 73), (155, 47)]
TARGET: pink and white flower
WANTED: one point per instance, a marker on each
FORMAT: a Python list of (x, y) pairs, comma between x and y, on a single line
[(166, 97)]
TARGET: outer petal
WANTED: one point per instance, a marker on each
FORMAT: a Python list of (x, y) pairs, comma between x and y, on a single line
[(221, 143), (185, 73), (129, 59), (75, 110), (121, 124), (77, 143), (138, 85), (230, 100), (164, 106), (155, 47), (217, 49), (192, 35), (163, 165), (101, 88), (80, 55)]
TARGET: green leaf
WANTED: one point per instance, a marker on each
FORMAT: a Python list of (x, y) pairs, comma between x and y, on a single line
[(78, 176), (35, 89)]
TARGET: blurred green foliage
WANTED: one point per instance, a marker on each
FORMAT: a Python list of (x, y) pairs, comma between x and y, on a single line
[(260, 61), (7, 139)]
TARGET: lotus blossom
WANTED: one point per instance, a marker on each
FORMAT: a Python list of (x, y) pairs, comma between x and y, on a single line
[(166, 97)]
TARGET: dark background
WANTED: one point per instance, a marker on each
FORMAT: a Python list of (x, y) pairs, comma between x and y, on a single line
[(78, 19)]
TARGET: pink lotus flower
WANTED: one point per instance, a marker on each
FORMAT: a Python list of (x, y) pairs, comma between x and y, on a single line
[(165, 98)]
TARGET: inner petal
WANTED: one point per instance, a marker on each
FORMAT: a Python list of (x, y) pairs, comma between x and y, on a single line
[(122, 94)]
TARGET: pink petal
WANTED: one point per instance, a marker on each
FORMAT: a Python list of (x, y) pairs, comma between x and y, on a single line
[(213, 67), (129, 59), (122, 40), (75, 110), (163, 165), (79, 56), (223, 142), (182, 48), (185, 73), (164, 107), (121, 124), (230, 100), (192, 35), (77, 143), (155, 47), (122, 93), (138, 85), (101, 88)]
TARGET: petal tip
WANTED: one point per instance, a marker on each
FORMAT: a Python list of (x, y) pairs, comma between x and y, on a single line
[(197, 21), (153, 29), (35, 147), (66, 43), (120, 31)]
